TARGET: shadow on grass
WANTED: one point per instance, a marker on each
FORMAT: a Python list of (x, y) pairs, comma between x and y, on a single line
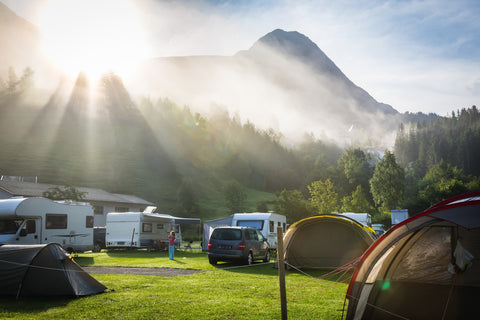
[(142, 253), (270, 269), (255, 268), (84, 261), (32, 305)]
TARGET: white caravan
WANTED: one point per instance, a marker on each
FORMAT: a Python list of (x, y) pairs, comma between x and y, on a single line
[(363, 218), (139, 230), (40, 220), (266, 222)]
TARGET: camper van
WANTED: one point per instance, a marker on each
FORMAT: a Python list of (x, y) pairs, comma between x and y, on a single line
[(267, 223), (139, 230), (40, 220), (363, 218)]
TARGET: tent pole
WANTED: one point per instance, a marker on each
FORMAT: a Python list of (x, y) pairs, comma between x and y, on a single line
[(281, 272)]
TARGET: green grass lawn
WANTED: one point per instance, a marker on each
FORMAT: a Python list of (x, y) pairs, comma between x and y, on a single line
[(224, 291)]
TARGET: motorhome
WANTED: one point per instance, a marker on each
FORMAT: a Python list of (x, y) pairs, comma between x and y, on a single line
[(139, 230), (363, 218), (266, 222), (40, 220)]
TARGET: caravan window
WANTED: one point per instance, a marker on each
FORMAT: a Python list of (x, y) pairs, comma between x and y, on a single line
[(251, 223), (146, 227), (55, 221), (89, 222), (272, 226), (160, 226)]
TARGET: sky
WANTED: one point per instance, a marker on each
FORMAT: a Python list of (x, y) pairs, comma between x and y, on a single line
[(418, 56)]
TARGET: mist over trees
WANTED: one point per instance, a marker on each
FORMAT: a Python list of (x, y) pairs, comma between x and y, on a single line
[(194, 165)]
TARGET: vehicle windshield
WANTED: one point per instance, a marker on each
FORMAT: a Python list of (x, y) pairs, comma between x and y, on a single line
[(9, 226), (227, 234)]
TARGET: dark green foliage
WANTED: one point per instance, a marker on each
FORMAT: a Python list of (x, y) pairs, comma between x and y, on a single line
[(235, 197), (454, 139), (388, 183), (294, 206), (67, 193), (185, 162)]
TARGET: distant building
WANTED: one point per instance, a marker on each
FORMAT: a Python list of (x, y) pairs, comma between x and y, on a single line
[(102, 201)]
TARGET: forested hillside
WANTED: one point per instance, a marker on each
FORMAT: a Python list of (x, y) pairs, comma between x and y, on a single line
[(454, 139), (97, 135)]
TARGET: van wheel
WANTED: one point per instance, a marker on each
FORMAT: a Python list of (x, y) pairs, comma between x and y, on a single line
[(250, 258), (267, 257), (212, 260)]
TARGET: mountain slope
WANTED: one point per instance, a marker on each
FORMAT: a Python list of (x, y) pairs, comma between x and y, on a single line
[(284, 81)]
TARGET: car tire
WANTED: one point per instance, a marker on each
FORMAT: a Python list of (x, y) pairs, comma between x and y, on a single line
[(267, 257), (212, 260), (250, 258)]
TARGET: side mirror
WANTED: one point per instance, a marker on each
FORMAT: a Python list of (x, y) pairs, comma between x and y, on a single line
[(23, 232)]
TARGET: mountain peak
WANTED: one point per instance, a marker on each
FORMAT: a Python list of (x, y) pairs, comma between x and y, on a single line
[(299, 46)]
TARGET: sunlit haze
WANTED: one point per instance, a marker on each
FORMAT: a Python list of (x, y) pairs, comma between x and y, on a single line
[(413, 55), (91, 36)]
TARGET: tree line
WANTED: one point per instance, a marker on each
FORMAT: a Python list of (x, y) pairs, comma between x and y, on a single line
[(186, 161)]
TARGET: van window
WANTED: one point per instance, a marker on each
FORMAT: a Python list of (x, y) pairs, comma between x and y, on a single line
[(89, 222), (250, 234), (259, 235), (272, 226), (258, 224), (227, 234), (146, 227), (55, 221)]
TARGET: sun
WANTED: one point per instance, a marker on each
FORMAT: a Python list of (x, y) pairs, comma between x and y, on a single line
[(92, 36)]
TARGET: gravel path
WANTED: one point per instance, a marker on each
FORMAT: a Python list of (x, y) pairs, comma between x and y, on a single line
[(164, 272)]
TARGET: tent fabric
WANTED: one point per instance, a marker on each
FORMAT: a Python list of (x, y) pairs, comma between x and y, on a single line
[(45, 270), (423, 268), (325, 241)]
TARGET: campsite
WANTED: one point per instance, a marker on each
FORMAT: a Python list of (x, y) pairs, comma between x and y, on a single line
[(430, 257), (225, 291)]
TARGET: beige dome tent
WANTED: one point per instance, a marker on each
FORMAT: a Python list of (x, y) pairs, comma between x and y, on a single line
[(44, 270), (325, 241)]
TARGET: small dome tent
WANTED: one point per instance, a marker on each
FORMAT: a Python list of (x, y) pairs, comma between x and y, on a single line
[(325, 241), (44, 270), (423, 268)]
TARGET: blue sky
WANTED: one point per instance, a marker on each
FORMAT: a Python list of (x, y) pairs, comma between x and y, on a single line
[(415, 55)]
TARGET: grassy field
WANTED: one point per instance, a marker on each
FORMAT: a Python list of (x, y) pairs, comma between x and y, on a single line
[(225, 291)]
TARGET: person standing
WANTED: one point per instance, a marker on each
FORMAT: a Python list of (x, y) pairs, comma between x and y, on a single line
[(171, 245)]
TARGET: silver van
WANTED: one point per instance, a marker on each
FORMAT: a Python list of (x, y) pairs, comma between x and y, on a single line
[(244, 244)]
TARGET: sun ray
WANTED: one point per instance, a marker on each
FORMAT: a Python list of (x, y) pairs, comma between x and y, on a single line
[(92, 37)]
